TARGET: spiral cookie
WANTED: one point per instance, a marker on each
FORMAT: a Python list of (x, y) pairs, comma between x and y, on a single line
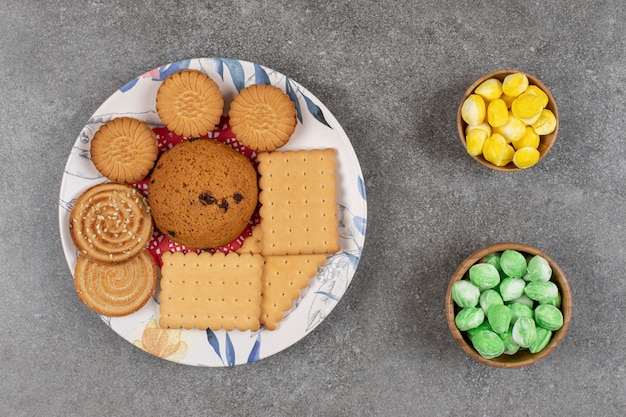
[(110, 222), (189, 103), (262, 117), (115, 289), (124, 149)]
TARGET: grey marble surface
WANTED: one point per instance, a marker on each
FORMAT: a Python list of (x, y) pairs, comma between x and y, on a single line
[(392, 73)]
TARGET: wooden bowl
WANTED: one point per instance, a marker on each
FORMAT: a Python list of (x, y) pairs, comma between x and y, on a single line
[(546, 141), (522, 357)]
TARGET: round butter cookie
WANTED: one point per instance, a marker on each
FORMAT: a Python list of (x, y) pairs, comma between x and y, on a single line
[(202, 193), (189, 103), (110, 222), (115, 289), (124, 150), (262, 117)]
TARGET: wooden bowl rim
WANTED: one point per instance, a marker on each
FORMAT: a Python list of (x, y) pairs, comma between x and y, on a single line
[(522, 358), (501, 74)]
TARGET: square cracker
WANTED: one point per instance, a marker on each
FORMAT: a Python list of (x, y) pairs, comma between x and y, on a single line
[(298, 207), (284, 277), (212, 291)]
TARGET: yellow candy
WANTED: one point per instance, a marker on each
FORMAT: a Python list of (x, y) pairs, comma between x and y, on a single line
[(482, 126), (473, 110), (475, 140), (527, 108), (513, 130), (514, 84), (533, 89), (508, 100), (497, 151), (526, 157), (530, 139), (490, 89), (497, 113), (546, 123)]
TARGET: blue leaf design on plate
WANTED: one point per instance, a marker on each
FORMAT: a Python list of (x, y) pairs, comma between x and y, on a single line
[(220, 68), (260, 76), (354, 259), (236, 72), (215, 344), (230, 351), (327, 294), (360, 223), (361, 185), (315, 110), (292, 95), (254, 353), (168, 70), (128, 85)]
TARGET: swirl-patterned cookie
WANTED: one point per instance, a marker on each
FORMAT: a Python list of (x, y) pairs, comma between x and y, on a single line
[(110, 222), (124, 149), (115, 289), (262, 117), (189, 103)]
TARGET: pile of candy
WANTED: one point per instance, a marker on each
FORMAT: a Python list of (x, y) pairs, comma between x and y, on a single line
[(506, 119), (507, 302)]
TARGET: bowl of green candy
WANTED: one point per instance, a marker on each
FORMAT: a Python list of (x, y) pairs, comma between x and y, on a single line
[(508, 305)]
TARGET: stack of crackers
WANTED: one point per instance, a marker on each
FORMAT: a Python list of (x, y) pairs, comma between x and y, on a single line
[(259, 284)]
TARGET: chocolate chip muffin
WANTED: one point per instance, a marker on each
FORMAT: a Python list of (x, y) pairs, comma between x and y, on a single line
[(202, 193)]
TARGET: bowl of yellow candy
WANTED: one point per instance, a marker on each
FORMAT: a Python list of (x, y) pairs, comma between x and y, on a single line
[(508, 305), (508, 120)]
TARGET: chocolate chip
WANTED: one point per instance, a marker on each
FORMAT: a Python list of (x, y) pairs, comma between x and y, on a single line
[(206, 198), (224, 205), (159, 166), (171, 233), (237, 197), (193, 139)]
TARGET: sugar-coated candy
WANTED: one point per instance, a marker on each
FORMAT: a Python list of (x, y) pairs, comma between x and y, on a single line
[(530, 139), (484, 276), (489, 89), (538, 269), (514, 129), (513, 263), (523, 300), (469, 317), (493, 259), (514, 84), (511, 288), (543, 97), (520, 310), (510, 347), (475, 141), (465, 294), (498, 113), (526, 157), (497, 151), (542, 339), (527, 108), (499, 317), (524, 331), (541, 291), (546, 123), (483, 126), (473, 110), (488, 344), (549, 317), (488, 299), (556, 301), (482, 326)]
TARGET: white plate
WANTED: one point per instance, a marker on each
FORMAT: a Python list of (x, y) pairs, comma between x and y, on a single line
[(317, 128)]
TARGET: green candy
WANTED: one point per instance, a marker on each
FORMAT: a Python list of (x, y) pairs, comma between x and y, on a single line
[(488, 299), (542, 291), (512, 288), (499, 317), (488, 344), (520, 310), (493, 259), (482, 326), (465, 294), (541, 340), (549, 317), (524, 332), (510, 347), (555, 301), (538, 269), (484, 276), (513, 263), (523, 300), (469, 317)]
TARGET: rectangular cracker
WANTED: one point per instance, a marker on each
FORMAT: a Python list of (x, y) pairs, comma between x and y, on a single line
[(212, 291), (284, 277), (298, 207)]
